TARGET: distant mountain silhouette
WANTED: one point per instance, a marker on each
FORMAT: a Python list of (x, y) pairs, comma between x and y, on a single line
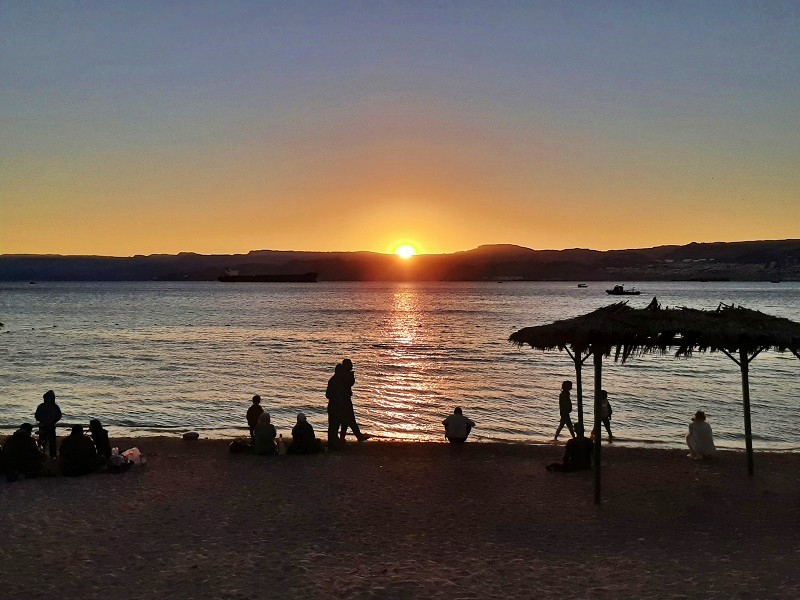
[(742, 261)]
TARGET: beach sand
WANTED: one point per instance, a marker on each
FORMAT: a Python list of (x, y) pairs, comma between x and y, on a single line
[(405, 520)]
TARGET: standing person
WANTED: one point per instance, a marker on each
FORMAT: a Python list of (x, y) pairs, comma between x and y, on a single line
[(457, 427), (565, 407), (337, 402), (605, 413), (348, 381), (48, 414), (253, 413), (700, 439)]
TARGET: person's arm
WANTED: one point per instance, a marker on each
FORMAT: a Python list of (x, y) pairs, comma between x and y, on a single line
[(58, 415)]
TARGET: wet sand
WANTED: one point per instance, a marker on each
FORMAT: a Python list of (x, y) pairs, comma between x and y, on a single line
[(405, 520)]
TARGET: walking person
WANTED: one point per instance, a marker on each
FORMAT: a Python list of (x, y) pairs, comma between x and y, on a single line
[(349, 417), (565, 407), (337, 402), (48, 414), (605, 413)]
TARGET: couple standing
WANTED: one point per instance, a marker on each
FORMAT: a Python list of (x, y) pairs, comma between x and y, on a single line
[(340, 405)]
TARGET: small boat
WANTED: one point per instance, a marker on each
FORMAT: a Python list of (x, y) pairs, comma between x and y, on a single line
[(272, 278), (621, 291), (583, 285)]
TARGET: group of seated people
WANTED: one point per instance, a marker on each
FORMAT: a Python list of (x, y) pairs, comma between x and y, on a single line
[(78, 454), (264, 438)]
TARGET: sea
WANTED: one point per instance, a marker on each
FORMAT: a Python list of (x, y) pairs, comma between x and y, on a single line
[(168, 357)]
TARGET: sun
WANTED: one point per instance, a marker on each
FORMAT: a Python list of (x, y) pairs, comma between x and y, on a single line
[(406, 251)]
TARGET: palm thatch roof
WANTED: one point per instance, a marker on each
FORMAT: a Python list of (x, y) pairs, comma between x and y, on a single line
[(630, 331)]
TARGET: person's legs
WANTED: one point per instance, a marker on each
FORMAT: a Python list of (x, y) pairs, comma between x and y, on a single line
[(455, 440), (560, 427), (570, 427), (49, 436), (607, 424)]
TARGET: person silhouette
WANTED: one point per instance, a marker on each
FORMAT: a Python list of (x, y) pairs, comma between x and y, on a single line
[(337, 404), (348, 380), (700, 438), (21, 455), (264, 436), (564, 408), (605, 413), (577, 454), (253, 413), (303, 439), (100, 438), (47, 415), (457, 426), (78, 454)]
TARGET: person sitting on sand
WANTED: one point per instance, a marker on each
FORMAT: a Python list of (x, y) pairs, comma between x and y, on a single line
[(457, 426), (100, 438), (700, 439), (253, 413), (264, 436), (48, 414), (21, 455), (577, 454), (303, 439), (564, 408), (78, 454)]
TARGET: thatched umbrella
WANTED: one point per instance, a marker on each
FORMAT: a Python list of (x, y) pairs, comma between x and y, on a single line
[(595, 334), (731, 330)]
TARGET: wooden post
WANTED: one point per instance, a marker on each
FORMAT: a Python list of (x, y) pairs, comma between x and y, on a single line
[(579, 385), (598, 385), (744, 364)]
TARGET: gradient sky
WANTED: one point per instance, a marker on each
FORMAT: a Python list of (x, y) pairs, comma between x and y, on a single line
[(146, 127)]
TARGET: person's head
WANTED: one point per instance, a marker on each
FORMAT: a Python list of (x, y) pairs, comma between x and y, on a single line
[(457, 410), (602, 394), (566, 385), (264, 418), (338, 369), (301, 418), (49, 396), (347, 364), (699, 416), (27, 428), (256, 399), (95, 425), (579, 429), (77, 431)]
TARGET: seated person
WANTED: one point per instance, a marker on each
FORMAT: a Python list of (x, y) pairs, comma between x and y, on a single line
[(21, 455), (457, 427), (100, 438), (78, 454), (577, 454), (264, 436), (700, 439), (303, 439)]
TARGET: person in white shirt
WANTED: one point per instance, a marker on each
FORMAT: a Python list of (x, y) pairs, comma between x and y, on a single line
[(700, 438), (457, 427)]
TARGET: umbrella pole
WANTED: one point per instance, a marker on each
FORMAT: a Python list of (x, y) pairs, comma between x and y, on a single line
[(598, 385), (748, 434)]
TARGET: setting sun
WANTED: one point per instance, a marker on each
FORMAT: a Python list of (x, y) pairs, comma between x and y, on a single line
[(406, 251)]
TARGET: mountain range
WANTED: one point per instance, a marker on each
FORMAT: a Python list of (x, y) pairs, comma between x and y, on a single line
[(772, 260)]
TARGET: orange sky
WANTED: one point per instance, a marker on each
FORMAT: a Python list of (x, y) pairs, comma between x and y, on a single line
[(371, 128)]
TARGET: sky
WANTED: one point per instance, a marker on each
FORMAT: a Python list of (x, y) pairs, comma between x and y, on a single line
[(221, 127)]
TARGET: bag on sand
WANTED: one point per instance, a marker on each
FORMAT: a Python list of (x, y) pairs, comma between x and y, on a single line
[(135, 456), (238, 447)]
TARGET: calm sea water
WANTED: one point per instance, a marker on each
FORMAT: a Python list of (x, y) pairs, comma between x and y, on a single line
[(146, 357)]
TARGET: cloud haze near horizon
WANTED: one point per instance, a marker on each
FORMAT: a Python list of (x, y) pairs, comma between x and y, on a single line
[(137, 128)]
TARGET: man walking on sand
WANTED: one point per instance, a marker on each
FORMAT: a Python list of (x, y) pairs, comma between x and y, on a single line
[(565, 407), (348, 380)]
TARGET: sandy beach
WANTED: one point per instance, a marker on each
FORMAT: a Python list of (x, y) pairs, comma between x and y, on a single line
[(405, 520)]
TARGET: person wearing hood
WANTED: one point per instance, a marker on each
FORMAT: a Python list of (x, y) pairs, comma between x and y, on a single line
[(100, 438), (47, 415)]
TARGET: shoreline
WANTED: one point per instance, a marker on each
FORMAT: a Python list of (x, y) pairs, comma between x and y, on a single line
[(406, 520)]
